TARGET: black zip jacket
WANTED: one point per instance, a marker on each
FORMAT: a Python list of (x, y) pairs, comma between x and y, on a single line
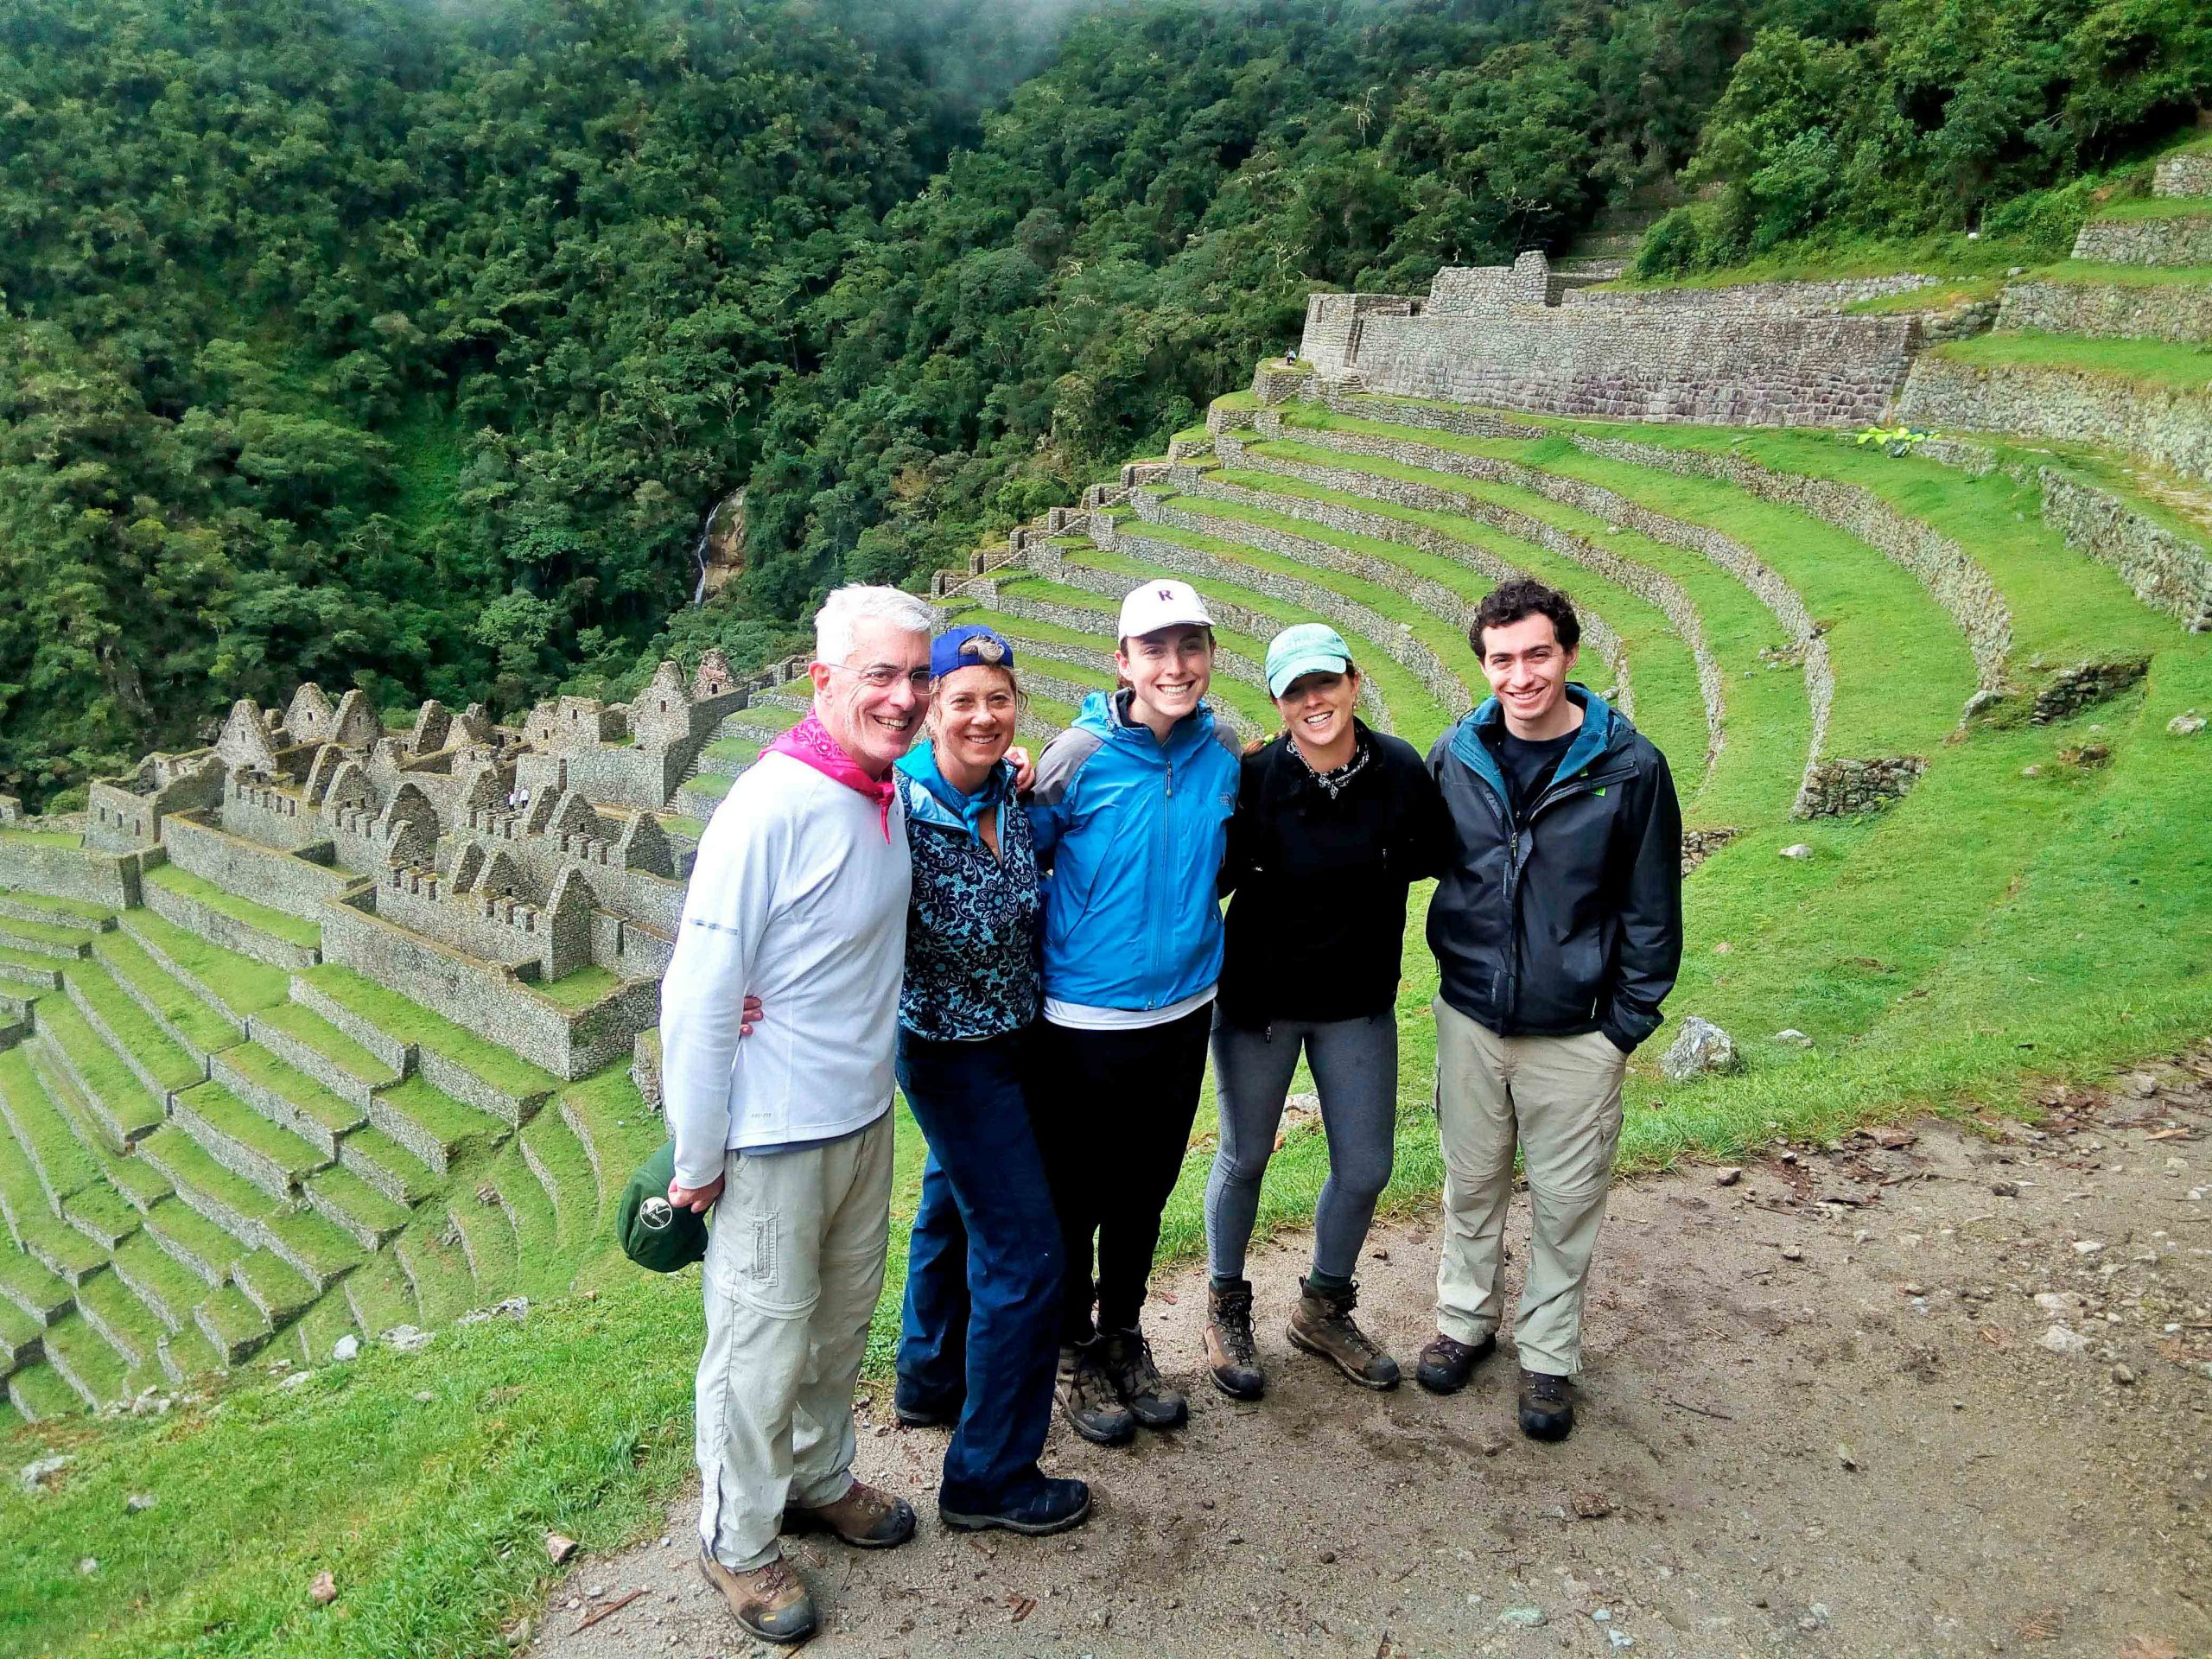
[(1572, 922), (1317, 928)]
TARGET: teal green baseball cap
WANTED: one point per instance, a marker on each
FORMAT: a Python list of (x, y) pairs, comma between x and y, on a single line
[(1308, 648)]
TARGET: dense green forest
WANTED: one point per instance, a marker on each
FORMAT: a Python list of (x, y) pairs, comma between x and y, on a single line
[(408, 344)]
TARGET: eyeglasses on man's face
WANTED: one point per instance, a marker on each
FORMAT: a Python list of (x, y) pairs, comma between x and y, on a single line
[(881, 677)]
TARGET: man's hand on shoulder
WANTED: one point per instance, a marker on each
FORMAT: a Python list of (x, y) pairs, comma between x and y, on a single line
[(697, 1200)]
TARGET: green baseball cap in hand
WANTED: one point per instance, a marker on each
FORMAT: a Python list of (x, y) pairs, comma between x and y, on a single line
[(654, 1233)]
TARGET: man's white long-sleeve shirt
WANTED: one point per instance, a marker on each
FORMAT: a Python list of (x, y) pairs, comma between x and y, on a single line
[(798, 899)]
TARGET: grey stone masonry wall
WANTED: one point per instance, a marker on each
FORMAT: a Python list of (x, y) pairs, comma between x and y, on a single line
[(1698, 845), (1458, 419), (125, 813), (1333, 327), (1482, 288), (1837, 789), (1400, 642), (266, 876), (1748, 368), (2072, 689), (479, 995), (2163, 424), (2175, 311), (2184, 239), (1826, 295), (1652, 586), (1953, 577), (1728, 360), (2187, 173), (490, 925), (218, 928), (269, 814), (2166, 572), (101, 878)]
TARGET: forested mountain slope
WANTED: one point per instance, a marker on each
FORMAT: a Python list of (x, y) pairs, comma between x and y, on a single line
[(410, 346)]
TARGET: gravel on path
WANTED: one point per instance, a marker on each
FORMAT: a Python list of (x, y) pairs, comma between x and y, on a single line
[(1938, 1390)]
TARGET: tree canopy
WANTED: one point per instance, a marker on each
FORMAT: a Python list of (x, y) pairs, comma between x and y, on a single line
[(408, 346)]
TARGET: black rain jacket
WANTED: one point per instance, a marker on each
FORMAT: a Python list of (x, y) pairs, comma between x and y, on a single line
[(1572, 922), (1317, 929)]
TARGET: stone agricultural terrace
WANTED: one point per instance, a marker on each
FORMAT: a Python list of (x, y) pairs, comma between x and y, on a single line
[(328, 1030)]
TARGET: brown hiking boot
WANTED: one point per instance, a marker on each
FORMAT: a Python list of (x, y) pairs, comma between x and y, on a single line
[(1447, 1363), (1087, 1398), (867, 1517), (1322, 1323), (770, 1601), (1546, 1405), (1127, 1358), (1231, 1353)]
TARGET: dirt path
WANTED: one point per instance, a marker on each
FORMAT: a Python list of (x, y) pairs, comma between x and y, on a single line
[(1820, 1417)]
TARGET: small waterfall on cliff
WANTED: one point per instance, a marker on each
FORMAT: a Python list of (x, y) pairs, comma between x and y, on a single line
[(699, 553)]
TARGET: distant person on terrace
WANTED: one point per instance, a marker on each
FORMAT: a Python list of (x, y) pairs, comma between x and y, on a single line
[(981, 1334), (1557, 932), (799, 896)]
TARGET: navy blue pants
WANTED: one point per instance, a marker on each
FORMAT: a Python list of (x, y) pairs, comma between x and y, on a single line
[(980, 1336)]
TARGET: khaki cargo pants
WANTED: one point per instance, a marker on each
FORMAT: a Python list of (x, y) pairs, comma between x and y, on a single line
[(1560, 1099), (794, 1269)]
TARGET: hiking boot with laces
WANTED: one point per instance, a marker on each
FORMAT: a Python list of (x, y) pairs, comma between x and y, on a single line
[(1322, 1323), (1087, 1398), (1546, 1405), (1447, 1363), (1127, 1358), (1231, 1353), (771, 1602), (867, 1517)]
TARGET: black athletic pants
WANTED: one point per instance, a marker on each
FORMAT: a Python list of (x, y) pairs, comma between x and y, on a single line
[(1113, 1112)]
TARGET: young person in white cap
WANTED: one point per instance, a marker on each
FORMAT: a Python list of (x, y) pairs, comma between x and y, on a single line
[(1130, 812), (1333, 823)]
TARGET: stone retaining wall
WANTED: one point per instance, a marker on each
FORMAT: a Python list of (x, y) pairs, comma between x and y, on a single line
[(1652, 586), (1837, 789), (1461, 422), (1829, 295), (2182, 240), (218, 928), (1747, 366), (2188, 174), (1953, 577), (2072, 689), (100, 878), (478, 995), (2166, 573), (2166, 425), (2110, 310), (278, 880), (1698, 845)]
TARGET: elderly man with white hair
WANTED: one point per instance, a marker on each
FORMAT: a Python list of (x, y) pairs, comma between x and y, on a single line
[(800, 898)]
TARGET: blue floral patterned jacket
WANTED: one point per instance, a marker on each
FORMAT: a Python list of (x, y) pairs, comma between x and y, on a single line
[(974, 927)]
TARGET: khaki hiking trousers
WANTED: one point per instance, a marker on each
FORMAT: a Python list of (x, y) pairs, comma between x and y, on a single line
[(794, 1269), (1559, 1099)]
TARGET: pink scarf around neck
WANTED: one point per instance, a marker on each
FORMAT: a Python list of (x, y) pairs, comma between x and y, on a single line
[(810, 743)]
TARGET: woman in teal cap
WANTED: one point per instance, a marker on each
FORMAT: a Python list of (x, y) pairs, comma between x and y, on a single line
[(1334, 823)]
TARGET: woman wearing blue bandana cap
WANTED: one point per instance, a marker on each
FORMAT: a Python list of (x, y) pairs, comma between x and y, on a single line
[(979, 1340)]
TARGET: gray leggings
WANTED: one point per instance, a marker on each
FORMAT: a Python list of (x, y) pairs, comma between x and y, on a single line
[(1355, 1069)]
